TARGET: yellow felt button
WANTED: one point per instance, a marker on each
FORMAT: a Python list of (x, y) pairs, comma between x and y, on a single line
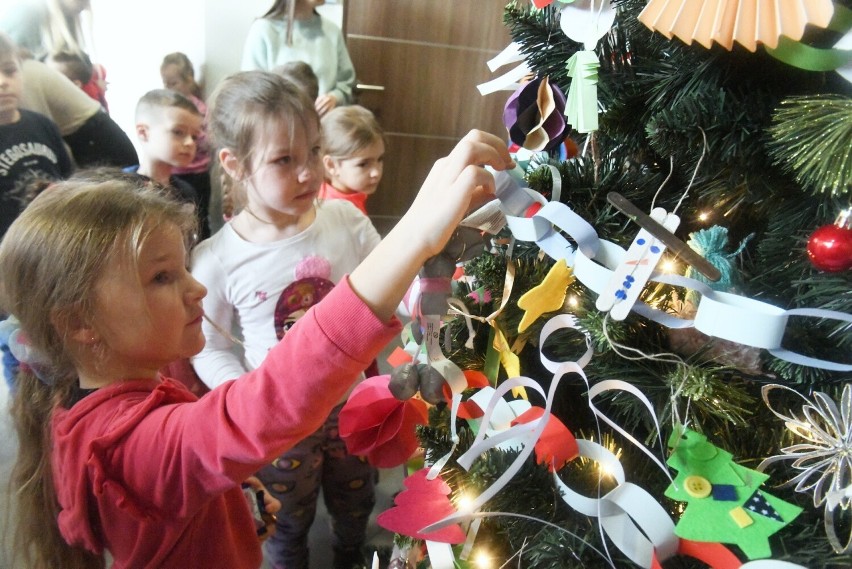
[(697, 486), (741, 517)]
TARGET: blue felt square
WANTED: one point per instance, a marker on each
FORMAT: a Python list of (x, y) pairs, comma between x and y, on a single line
[(724, 492)]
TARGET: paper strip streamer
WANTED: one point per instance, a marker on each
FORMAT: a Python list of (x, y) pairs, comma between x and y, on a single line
[(719, 314), (509, 81), (797, 54)]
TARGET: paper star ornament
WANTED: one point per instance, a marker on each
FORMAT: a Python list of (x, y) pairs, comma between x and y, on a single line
[(547, 296)]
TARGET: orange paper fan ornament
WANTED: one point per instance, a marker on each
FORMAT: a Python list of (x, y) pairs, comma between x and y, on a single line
[(747, 22)]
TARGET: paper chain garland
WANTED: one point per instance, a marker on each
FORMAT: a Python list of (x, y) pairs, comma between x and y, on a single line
[(632, 518), (601, 265)]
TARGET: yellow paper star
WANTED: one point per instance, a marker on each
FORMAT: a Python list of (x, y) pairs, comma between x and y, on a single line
[(546, 297)]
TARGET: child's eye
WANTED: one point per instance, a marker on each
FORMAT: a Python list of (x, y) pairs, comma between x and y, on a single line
[(163, 277), (284, 160), (178, 132)]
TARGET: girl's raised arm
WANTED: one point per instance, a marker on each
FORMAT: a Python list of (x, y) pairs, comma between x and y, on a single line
[(454, 184)]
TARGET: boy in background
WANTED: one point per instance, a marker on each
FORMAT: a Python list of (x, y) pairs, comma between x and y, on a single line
[(167, 129), (79, 69)]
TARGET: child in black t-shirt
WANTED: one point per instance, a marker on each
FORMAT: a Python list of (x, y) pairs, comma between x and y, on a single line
[(31, 147)]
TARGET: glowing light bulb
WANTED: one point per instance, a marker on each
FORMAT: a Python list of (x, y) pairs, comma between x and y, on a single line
[(464, 504), (668, 266), (483, 560), (573, 302), (703, 216)]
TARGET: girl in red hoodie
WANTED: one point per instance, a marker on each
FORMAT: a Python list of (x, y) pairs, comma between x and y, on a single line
[(115, 458)]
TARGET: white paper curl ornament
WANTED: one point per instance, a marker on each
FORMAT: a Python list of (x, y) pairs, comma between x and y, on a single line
[(822, 455), (747, 22)]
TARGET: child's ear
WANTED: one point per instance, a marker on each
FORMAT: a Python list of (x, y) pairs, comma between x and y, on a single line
[(230, 163), (329, 164), (70, 324), (142, 132)]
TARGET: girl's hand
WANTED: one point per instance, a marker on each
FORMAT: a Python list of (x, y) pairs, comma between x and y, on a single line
[(455, 183), (271, 505), (325, 103)]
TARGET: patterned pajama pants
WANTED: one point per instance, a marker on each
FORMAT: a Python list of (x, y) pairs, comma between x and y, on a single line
[(295, 478)]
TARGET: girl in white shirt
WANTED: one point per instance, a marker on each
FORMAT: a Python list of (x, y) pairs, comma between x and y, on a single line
[(280, 255)]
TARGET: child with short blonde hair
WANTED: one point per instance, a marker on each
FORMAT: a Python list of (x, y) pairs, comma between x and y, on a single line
[(167, 129), (353, 155), (178, 74)]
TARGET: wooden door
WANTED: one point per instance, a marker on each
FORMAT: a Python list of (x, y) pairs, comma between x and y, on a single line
[(429, 55)]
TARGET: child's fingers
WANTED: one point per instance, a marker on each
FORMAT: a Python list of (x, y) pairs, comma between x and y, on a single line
[(272, 504), (482, 148)]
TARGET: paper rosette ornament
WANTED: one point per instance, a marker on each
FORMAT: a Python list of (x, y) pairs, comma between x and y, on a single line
[(375, 424), (822, 454), (724, 502), (747, 22), (534, 115)]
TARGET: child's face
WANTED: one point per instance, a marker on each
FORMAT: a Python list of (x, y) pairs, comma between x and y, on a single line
[(172, 79), (11, 88), (360, 172), (149, 314), (286, 174), (171, 135)]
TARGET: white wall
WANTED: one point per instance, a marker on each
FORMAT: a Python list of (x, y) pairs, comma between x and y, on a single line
[(131, 39)]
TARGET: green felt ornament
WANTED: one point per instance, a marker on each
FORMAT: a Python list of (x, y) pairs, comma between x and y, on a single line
[(723, 501)]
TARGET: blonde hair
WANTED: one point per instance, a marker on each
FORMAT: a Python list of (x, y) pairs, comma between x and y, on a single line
[(157, 99), (347, 130), (63, 31), (301, 74), (185, 69), (50, 259), (244, 104)]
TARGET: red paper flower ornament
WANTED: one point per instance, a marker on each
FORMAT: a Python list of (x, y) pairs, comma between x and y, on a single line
[(375, 424)]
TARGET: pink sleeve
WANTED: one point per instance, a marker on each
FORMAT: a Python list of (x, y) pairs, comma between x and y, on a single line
[(244, 424)]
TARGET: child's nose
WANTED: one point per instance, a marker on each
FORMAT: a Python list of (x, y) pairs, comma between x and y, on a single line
[(309, 171), (195, 290)]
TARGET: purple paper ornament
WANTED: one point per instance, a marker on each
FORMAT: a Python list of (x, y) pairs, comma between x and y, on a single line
[(535, 115)]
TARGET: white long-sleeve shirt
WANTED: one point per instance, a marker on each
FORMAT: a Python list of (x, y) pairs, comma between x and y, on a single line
[(257, 290)]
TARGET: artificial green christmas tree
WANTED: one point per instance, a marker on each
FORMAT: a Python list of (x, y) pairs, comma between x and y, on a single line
[(753, 154)]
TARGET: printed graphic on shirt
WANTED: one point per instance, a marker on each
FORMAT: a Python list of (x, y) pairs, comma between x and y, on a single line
[(28, 154), (311, 285)]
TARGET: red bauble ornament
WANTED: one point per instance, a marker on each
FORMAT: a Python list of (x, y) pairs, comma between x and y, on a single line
[(830, 246)]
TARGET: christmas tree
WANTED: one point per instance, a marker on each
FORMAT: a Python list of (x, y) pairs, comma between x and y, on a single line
[(723, 127)]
